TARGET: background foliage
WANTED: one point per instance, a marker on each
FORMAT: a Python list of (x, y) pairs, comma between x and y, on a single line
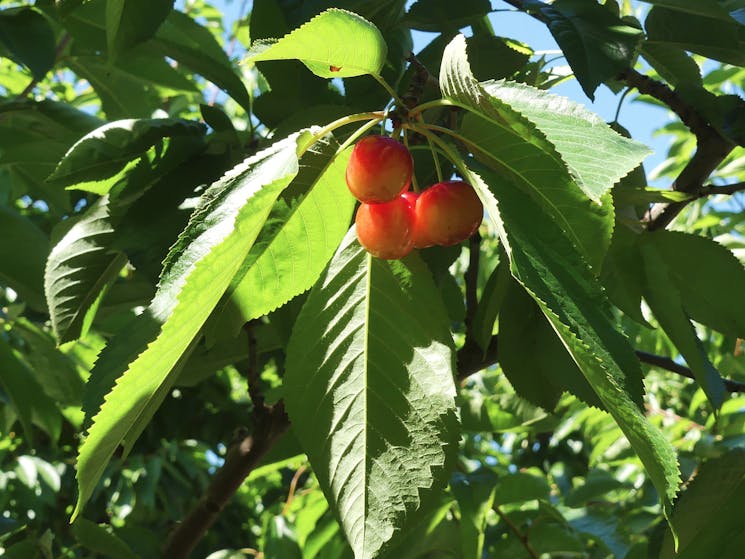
[(198, 359)]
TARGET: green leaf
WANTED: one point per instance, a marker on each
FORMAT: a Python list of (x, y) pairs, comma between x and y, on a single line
[(54, 370), (705, 274), (596, 43), (537, 174), (520, 487), (623, 273), (597, 485), (121, 94), (13, 377), (100, 538), (510, 144), (523, 357), (334, 44), (572, 128), (28, 397), (672, 64), (475, 495), (146, 357), (709, 513), (667, 304), (496, 57), (439, 15), (551, 270), (131, 22), (281, 540), (369, 390), (184, 40), (433, 534), (533, 358), (492, 298), (27, 38), (711, 37), (302, 233), (696, 7), (106, 150), (23, 270), (79, 271)]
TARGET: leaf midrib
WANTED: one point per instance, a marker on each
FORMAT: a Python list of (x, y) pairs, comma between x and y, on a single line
[(368, 313)]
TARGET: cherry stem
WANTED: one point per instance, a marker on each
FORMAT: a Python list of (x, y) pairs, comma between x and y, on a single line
[(374, 117), (446, 149), (437, 103), (473, 146), (390, 90), (356, 134), (438, 170), (414, 183)]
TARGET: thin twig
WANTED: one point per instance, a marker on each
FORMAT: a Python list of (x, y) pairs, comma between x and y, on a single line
[(714, 190), (253, 374), (516, 531), (471, 360), (686, 112), (293, 487), (711, 149), (673, 367)]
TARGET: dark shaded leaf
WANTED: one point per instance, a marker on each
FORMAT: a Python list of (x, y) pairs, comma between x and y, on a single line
[(597, 44), (27, 38)]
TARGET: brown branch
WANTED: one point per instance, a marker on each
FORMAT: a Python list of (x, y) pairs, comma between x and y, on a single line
[(712, 148), (516, 531), (669, 365), (709, 155), (269, 422), (714, 190), (243, 456), (472, 359), (253, 374), (686, 112)]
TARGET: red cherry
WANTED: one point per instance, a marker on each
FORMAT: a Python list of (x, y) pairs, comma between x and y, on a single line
[(418, 233), (379, 169), (447, 213), (384, 229)]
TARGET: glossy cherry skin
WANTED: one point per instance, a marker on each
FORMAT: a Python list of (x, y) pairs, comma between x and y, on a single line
[(379, 169), (418, 232), (447, 213), (385, 229)]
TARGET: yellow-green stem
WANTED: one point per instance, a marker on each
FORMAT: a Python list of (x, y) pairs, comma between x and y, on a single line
[(414, 183), (421, 127), (375, 117), (438, 170), (356, 134), (446, 149), (431, 105), (390, 90)]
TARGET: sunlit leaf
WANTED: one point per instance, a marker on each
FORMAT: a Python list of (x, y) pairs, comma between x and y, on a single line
[(370, 393), (323, 45)]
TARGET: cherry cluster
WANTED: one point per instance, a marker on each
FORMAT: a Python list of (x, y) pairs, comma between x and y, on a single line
[(392, 220)]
